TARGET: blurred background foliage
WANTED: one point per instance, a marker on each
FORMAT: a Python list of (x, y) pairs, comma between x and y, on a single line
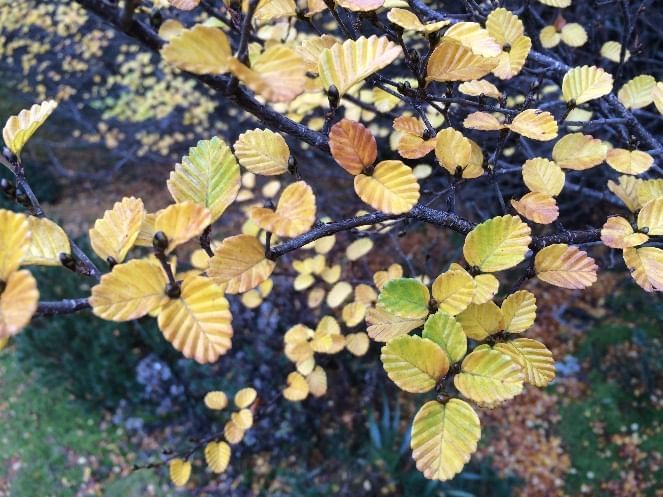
[(83, 400)]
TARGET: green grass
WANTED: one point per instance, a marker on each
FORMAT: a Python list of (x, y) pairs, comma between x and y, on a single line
[(54, 446)]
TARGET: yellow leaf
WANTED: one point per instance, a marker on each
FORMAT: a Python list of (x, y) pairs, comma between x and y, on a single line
[(511, 62), (646, 267), (348, 63), (573, 34), (504, 26), (444, 436), (453, 291), (618, 233), (565, 266), (638, 92), (452, 150), (245, 397), (294, 214), (448, 333), (649, 190), (146, 232), (297, 389), (650, 218), (261, 151), (385, 326), (451, 61), (544, 176), (489, 377), (317, 382), (487, 286), (242, 418), (198, 324), (353, 313), (181, 222), (533, 357), (200, 50), (352, 145), (339, 294), (410, 22), (216, 400), (184, 4), (483, 121), (394, 271), (518, 311), (14, 241), (471, 35), (130, 291), (579, 152), (361, 5), (180, 471), (657, 95), (268, 10), (415, 364), (549, 37), (240, 262), (217, 456), (357, 343), (611, 50), (233, 433), (358, 249), (538, 207), (208, 176), (479, 87), (497, 244), (479, 321), (392, 188), (556, 3), (278, 74), (18, 302), (627, 191), (48, 241), (20, 128), (535, 124), (114, 234), (629, 161), (585, 83)]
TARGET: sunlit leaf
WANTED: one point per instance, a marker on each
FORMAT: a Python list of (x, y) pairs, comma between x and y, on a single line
[(180, 471), (198, 324), (297, 388), (471, 35), (444, 436), (650, 217), (357, 343), (637, 92), (535, 124), (48, 241), (565, 266), (451, 61), (415, 364), (489, 377), (294, 214), (618, 233), (544, 176), (181, 222), (629, 161), (216, 400), (20, 128), (410, 22)]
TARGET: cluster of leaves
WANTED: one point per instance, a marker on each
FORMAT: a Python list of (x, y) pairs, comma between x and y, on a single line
[(312, 88)]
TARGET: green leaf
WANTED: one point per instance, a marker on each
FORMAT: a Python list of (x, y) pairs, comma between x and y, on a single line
[(415, 364), (444, 330), (208, 176), (405, 297)]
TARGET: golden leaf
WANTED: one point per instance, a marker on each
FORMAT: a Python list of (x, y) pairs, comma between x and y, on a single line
[(415, 364), (539, 208), (14, 241), (114, 234), (483, 121), (471, 35), (451, 61), (198, 324), (344, 65), (573, 34), (180, 471), (245, 397), (638, 92), (579, 152), (565, 266), (233, 433), (262, 151), (339, 294), (241, 263), (549, 37), (497, 244), (487, 286), (278, 74), (646, 267), (410, 22), (184, 4), (217, 456), (48, 241), (384, 326), (518, 312), (20, 128), (618, 233), (268, 10), (489, 377), (544, 176), (650, 218), (585, 83), (612, 50), (181, 222), (392, 188), (352, 145), (657, 96), (357, 343), (629, 161), (535, 124), (361, 5), (627, 191), (444, 436), (216, 400), (453, 291), (511, 62), (358, 249), (200, 50), (452, 149), (479, 321), (130, 291), (534, 357), (18, 302), (294, 214), (208, 176), (297, 389), (479, 87), (317, 382), (649, 190)]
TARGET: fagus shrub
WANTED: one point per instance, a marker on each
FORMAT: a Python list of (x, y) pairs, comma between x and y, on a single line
[(415, 105)]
